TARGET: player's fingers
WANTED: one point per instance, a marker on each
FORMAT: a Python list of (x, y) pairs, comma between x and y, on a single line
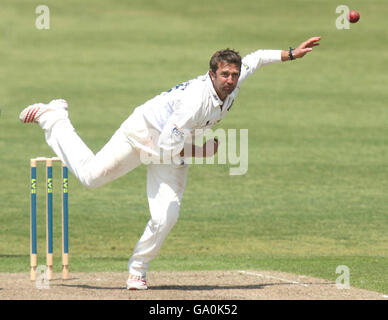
[(312, 45), (314, 39), (311, 42), (215, 146), (304, 51)]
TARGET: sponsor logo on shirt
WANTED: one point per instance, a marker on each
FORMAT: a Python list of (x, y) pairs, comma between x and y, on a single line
[(182, 86), (177, 132)]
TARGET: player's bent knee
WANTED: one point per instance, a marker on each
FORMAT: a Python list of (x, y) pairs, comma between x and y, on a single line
[(91, 183), (172, 215), (167, 218)]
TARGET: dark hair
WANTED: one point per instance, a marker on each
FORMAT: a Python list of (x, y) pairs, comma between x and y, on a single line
[(227, 55)]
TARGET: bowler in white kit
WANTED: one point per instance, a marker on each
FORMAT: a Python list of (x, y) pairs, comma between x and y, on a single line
[(160, 128)]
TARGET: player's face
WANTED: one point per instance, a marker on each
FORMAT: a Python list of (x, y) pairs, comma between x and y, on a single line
[(225, 79)]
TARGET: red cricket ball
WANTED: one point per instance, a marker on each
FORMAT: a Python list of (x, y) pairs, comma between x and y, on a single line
[(354, 16)]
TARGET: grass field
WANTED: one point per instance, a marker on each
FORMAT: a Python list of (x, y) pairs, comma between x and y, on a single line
[(315, 194)]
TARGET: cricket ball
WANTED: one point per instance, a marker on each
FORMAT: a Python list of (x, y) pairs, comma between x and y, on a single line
[(353, 16)]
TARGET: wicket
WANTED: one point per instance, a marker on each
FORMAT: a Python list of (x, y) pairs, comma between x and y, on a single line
[(49, 219)]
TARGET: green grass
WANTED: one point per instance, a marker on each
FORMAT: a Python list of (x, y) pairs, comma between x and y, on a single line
[(314, 196)]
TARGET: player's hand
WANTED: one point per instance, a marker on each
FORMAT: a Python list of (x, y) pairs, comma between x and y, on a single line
[(306, 47), (210, 147)]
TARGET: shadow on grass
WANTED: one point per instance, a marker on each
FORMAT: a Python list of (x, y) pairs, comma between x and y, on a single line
[(195, 287), (86, 286), (14, 255)]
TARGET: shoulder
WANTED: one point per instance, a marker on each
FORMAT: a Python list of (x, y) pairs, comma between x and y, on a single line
[(195, 92)]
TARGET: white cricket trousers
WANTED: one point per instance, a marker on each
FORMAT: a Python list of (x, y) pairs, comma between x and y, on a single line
[(165, 183)]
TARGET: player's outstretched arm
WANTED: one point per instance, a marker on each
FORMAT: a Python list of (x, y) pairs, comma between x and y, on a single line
[(302, 50)]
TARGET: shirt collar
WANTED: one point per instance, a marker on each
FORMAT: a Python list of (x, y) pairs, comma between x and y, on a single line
[(214, 97)]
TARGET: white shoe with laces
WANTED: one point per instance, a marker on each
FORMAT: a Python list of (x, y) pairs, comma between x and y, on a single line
[(32, 113), (136, 283)]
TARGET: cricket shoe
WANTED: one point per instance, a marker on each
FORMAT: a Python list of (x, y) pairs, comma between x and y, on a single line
[(136, 283), (33, 113)]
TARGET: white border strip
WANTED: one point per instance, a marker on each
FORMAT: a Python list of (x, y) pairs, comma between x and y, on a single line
[(271, 277)]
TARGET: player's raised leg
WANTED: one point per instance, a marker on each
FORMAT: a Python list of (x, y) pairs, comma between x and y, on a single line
[(115, 159)]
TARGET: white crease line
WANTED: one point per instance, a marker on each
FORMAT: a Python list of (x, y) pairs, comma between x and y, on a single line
[(275, 278)]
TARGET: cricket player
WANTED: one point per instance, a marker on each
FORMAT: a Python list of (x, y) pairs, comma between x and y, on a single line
[(159, 130)]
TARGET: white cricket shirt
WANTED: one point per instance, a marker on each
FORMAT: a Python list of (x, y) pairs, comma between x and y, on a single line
[(164, 122)]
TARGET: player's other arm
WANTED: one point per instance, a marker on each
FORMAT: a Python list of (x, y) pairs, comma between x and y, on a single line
[(208, 149)]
